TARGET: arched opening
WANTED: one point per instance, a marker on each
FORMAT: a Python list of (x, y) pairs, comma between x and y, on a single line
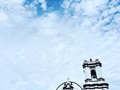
[(93, 74)]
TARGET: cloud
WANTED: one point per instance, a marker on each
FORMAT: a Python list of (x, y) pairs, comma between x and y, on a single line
[(39, 51)]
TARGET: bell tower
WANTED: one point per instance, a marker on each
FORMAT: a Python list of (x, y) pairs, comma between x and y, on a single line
[(93, 75)]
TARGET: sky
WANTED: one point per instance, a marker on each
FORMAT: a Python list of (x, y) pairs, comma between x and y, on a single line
[(44, 42)]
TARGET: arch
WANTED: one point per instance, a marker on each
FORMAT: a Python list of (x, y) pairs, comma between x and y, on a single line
[(93, 74), (71, 82)]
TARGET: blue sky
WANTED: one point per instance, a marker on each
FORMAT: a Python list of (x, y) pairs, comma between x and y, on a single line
[(43, 42), (51, 5)]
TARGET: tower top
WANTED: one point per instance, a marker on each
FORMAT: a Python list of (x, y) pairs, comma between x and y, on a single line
[(69, 85), (91, 63), (93, 75)]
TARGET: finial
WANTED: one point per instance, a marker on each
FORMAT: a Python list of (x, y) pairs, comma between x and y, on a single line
[(90, 59), (97, 60), (85, 60), (68, 79)]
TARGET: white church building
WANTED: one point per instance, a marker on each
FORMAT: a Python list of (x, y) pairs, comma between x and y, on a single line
[(94, 79)]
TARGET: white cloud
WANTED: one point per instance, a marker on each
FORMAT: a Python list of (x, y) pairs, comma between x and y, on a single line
[(11, 1), (3, 17), (43, 4)]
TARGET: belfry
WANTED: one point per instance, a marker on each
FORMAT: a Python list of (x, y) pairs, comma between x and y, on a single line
[(93, 75)]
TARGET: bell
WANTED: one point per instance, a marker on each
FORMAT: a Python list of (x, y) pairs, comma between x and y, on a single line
[(68, 86)]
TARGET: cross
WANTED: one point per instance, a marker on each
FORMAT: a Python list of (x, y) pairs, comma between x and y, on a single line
[(68, 79)]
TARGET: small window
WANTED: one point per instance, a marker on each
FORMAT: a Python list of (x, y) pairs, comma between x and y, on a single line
[(93, 74)]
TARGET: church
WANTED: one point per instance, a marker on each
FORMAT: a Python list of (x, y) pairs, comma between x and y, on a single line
[(94, 79)]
